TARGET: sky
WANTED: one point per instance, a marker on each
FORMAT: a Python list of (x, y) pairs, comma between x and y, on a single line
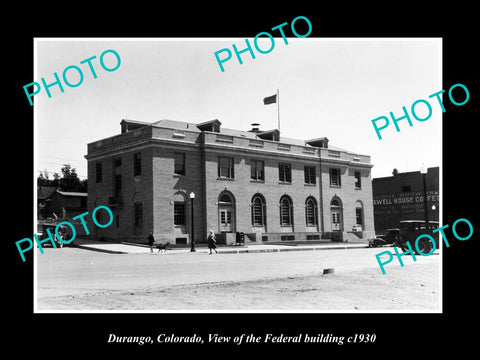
[(330, 87)]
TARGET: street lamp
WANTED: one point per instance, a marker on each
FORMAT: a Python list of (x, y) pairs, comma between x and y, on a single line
[(423, 171), (192, 240)]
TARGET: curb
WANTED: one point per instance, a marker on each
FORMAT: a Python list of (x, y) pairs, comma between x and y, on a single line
[(91, 248), (246, 250)]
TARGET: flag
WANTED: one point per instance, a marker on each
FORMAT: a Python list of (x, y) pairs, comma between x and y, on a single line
[(270, 100)]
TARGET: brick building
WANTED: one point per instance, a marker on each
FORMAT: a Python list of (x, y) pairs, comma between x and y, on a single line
[(269, 187), (400, 197)]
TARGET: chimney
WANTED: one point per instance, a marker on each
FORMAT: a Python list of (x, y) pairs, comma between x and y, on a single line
[(255, 127)]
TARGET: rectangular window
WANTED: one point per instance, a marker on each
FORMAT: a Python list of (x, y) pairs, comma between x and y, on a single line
[(117, 191), (257, 170), (335, 177), (138, 215), (225, 167), (358, 180), (179, 164), (137, 164), (98, 172), (284, 173), (179, 214), (310, 177)]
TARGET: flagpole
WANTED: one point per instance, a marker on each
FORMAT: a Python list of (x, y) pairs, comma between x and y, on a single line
[(278, 109)]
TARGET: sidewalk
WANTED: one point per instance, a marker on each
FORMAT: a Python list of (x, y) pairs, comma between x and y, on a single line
[(130, 248)]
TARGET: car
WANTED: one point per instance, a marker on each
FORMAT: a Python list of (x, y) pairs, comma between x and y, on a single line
[(376, 242), (410, 230), (392, 235)]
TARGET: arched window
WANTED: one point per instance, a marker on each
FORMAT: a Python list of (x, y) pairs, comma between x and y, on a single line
[(359, 213), (258, 210), (225, 198), (286, 211), (311, 212)]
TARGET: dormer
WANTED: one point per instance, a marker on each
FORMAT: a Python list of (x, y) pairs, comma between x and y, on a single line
[(319, 142), (273, 135), (212, 125), (130, 125)]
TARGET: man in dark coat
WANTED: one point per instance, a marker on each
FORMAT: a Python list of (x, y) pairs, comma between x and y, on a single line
[(212, 243), (151, 240)]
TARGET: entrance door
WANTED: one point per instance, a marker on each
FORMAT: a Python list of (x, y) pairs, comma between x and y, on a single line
[(336, 220), (226, 212), (225, 220), (336, 211)]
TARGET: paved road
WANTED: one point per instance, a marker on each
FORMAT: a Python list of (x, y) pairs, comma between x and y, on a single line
[(73, 271)]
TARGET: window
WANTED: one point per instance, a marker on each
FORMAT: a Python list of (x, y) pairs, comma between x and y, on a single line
[(117, 177), (117, 191), (225, 199), (358, 180), (257, 170), (310, 177), (358, 216), (179, 214), (225, 167), (284, 173), (137, 164), (335, 177), (359, 213), (138, 214), (98, 172), (179, 164), (286, 213), (406, 188), (311, 212), (225, 217), (258, 211)]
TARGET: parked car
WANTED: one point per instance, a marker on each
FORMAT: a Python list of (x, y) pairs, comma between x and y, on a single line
[(392, 236), (410, 230), (376, 242)]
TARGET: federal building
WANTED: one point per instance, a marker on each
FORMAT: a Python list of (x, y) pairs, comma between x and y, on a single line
[(168, 177)]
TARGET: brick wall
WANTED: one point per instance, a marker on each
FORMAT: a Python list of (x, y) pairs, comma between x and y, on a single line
[(158, 187)]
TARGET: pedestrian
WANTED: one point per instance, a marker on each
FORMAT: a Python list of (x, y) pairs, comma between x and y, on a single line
[(212, 243), (151, 240)]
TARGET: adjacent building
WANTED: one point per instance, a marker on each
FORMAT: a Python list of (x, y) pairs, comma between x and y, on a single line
[(169, 176), (401, 197)]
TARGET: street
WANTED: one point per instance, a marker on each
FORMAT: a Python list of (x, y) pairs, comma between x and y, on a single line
[(77, 279)]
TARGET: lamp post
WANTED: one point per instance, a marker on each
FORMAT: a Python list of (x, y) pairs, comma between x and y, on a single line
[(423, 171), (192, 240)]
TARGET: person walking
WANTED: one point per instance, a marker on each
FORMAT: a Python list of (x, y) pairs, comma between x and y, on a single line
[(151, 240), (212, 242)]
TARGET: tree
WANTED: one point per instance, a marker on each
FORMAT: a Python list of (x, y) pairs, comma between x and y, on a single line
[(68, 181), (43, 179)]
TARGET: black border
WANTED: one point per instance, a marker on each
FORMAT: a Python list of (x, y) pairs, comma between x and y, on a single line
[(68, 334)]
